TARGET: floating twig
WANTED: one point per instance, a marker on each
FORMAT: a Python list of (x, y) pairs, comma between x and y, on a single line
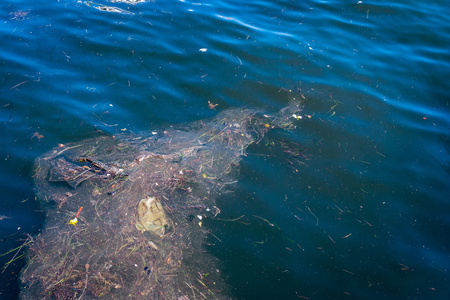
[(317, 222), (27, 241), (231, 220)]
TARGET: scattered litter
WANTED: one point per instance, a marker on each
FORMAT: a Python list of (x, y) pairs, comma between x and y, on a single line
[(144, 201)]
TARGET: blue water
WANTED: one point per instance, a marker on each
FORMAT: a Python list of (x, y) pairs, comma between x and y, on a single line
[(368, 213)]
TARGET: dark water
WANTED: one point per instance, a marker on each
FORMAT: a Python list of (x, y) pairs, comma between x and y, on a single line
[(367, 216)]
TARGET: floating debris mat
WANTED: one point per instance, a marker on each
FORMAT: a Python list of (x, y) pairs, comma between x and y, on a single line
[(124, 213)]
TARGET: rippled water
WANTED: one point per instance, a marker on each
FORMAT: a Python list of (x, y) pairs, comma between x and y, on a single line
[(367, 216)]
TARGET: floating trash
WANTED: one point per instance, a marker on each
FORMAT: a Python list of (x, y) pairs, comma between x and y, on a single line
[(151, 216), (145, 201)]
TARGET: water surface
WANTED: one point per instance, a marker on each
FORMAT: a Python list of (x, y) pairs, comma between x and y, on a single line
[(366, 216)]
